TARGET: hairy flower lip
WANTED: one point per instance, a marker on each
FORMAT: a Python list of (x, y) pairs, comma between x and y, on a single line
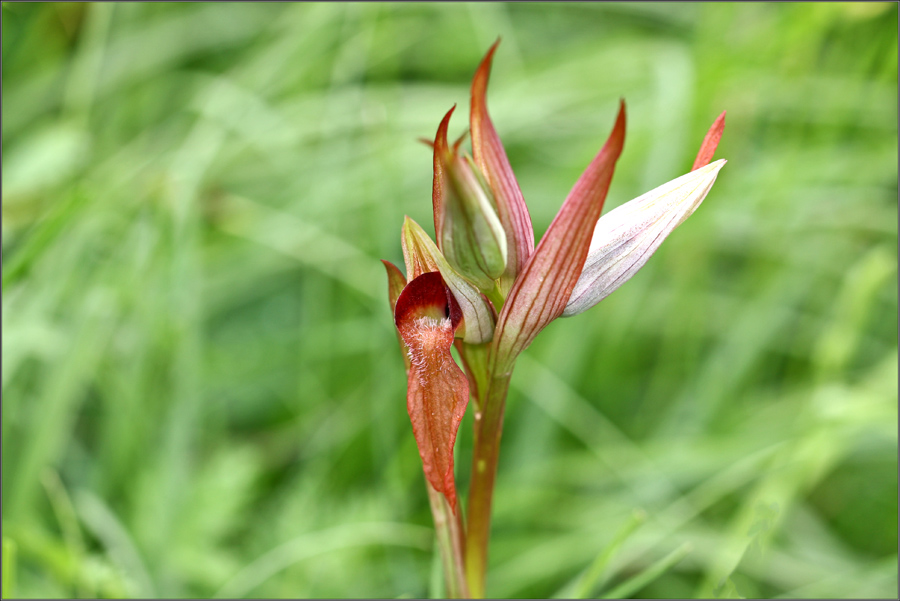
[(427, 315), (430, 291), (626, 237)]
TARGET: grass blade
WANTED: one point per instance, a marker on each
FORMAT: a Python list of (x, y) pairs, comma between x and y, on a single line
[(636, 583)]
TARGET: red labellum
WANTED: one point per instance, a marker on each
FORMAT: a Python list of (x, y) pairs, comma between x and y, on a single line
[(427, 317)]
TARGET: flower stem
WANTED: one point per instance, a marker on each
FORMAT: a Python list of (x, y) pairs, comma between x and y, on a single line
[(452, 542), (488, 428), (496, 297)]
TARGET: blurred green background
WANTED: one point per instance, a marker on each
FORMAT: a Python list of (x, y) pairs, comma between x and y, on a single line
[(202, 390)]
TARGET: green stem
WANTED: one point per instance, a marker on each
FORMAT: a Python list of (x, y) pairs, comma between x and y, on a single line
[(488, 428), (496, 297), (452, 542)]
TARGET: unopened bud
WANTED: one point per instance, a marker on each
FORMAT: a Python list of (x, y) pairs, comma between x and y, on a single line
[(472, 237)]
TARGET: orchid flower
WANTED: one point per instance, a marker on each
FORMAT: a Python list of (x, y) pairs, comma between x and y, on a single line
[(482, 286)]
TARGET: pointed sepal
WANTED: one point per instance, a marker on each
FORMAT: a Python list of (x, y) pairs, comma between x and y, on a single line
[(542, 290), (417, 258), (439, 181), (396, 284), (490, 157)]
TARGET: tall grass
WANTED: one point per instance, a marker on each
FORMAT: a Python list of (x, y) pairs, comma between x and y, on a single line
[(202, 393)]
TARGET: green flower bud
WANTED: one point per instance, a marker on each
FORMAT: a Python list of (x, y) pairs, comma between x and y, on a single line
[(472, 238)]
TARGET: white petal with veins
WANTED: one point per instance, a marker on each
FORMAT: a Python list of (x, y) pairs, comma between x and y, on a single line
[(628, 235)]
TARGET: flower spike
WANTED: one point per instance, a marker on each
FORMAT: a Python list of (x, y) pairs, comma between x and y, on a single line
[(483, 259), (543, 288), (489, 155), (427, 316)]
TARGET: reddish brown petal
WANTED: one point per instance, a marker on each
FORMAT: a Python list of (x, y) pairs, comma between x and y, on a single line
[(491, 158), (437, 394), (439, 183), (396, 283), (543, 288), (710, 143)]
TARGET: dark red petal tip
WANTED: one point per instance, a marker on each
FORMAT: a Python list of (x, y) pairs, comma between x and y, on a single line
[(710, 143), (438, 183)]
